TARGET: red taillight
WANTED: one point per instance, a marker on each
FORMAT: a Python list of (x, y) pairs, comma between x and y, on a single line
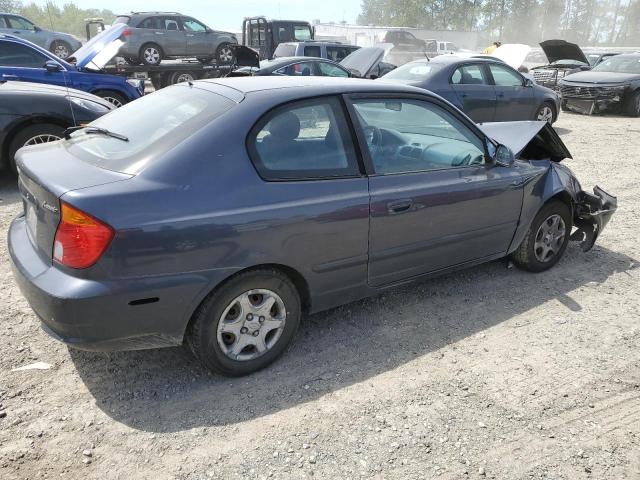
[(126, 32), (80, 238)]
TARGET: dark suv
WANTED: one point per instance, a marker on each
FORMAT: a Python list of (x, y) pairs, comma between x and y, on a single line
[(154, 36)]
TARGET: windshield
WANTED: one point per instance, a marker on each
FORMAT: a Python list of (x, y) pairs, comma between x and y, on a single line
[(592, 57), (171, 115), (414, 72), (619, 64)]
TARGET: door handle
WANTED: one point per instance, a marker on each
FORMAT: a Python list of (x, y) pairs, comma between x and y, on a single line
[(159, 33), (9, 77), (501, 95), (464, 95), (189, 35), (400, 206)]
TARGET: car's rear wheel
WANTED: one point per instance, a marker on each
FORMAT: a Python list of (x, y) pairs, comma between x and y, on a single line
[(60, 49), (547, 238), (180, 77), (225, 55), (245, 324), (546, 113), (632, 107), (33, 135), (114, 98), (151, 54)]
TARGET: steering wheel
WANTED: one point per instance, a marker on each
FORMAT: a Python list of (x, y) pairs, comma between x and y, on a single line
[(373, 137)]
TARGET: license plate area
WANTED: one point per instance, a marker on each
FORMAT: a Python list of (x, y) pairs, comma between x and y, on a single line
[(586, 107)]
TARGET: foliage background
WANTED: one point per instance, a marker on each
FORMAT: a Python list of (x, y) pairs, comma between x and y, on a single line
[(66, 18), (586, 22)]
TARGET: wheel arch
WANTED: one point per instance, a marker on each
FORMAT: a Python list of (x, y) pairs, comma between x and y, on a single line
[(299, 281), (19, 125)]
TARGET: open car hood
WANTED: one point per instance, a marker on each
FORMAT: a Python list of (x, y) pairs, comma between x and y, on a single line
[(528, 140), (362, 61), (560, 50), (513, 54), (101, 49), (245, 56)]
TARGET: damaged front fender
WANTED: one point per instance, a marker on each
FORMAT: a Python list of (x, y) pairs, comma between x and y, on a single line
[(591, 214)]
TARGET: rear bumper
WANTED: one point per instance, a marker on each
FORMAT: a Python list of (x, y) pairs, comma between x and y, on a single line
[(95, 315)]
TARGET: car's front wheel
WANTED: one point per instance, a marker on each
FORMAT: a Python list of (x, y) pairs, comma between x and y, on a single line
[(60, 49), (33, 135), (547, 238), (151, 54), (114, 98), (632, 106), (546, 113), (245, 324)]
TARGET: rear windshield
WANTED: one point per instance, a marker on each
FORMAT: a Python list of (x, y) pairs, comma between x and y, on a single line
[(153, 123), (285, 50), (123, 19), (414, 72)]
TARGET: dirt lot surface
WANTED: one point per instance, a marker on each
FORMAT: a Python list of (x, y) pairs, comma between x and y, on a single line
[(487, 373)]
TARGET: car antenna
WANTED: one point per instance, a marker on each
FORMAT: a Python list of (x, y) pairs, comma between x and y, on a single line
[(66, 84)]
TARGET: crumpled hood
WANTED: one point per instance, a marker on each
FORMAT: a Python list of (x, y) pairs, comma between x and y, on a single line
[(561, 50), (521, 137), (601, 77)]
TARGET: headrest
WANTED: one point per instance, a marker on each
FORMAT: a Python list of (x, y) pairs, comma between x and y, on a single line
[(285, 126)]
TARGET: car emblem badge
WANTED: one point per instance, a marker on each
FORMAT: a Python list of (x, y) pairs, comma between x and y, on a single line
[(49, 207)]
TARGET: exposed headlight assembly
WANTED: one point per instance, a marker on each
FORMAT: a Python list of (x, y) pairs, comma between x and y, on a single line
[(89, 105), (136, 83)]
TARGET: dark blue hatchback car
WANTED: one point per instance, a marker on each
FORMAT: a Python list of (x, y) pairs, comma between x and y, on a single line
[(21, 60), (217, 212)]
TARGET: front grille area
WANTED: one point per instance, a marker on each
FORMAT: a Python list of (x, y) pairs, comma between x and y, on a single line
[(545, 76), (587, 93)]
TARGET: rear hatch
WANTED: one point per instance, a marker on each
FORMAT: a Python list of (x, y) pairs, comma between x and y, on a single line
[(42, 183)]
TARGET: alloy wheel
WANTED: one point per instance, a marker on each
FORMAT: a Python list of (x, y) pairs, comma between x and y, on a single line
[(225, 55), (39, 139), (61, 51), (184, 77), (549, 238), (545, 114), (113, 101), (251, 324), (152, 55)]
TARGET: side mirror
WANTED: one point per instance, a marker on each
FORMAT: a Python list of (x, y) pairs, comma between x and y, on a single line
[(36, 28), (528, 82), (52, 66), (504, 157)]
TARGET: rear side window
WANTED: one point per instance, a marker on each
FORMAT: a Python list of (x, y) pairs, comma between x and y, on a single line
[(170, 115), (16, 55), (302, 141), (328, 70), (154, 23), (304, 69), (312, 51), (469, 75)]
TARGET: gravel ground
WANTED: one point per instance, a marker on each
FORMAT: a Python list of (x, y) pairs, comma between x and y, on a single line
[(491, 372)]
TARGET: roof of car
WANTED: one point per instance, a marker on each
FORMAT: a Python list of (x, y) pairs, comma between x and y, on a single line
[(459, 59), (276, 62), (319, 84)]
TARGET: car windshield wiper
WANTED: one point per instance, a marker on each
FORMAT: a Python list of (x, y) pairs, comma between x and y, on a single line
[(95, 130)]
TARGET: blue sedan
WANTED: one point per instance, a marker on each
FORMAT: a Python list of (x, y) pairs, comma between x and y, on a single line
[(486, 89), (217, 212), (21, 60)]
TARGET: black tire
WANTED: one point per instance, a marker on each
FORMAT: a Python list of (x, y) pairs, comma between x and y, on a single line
[(61, 49), (225, 54), (632, 105), (180, 77), (541, 108), (202, 335), (525, 255), (147, 55), (563, 106), (24, 135), (114, 98)]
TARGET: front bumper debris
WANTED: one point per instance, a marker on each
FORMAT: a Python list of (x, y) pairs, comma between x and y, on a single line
[(591, 215)]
